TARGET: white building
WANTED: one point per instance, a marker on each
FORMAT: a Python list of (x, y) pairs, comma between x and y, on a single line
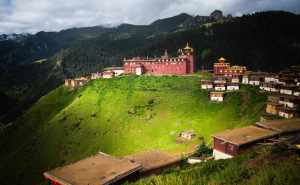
[(290, 102), (270, 87), (296, 92), (108, 74), (285, 113), (118, 71), (235, 80), (188, 135), (287, 103), (245, 79), (221, 155), (271, 79), (194, 160), (233, 87), (207, 86), (220, 87), (254, 82), (286, 90), (95, 76), (217, 96), (220, 80)]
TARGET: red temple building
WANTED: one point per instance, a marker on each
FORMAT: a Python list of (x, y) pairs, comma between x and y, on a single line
[(165, 65), (223, 68)]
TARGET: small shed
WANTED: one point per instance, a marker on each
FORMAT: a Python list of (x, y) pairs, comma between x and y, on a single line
[(188, 135)]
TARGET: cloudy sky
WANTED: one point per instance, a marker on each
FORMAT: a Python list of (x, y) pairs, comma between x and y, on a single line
[(30, 16)]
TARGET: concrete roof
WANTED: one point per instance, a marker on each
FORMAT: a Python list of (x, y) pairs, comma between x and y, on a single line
[(100, 169), (281, 126), (245, 135)]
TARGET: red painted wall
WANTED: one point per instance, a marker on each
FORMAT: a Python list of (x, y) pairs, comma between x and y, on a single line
[(174, 66), (225, 147)]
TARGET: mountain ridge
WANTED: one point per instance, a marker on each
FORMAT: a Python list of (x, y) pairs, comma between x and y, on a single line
[(249, 40)]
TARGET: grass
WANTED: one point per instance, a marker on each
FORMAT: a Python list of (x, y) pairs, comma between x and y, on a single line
[(118, 116), (262, 166)]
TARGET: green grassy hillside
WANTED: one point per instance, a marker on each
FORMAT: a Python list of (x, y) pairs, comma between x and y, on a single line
[(118, 116), (264, 166)]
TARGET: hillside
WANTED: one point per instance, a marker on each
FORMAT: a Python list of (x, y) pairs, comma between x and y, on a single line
[(264, 166), (118, 116), (267, 41)]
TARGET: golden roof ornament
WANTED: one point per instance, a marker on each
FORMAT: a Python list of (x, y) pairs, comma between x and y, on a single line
[(187, 47), (222, 59)]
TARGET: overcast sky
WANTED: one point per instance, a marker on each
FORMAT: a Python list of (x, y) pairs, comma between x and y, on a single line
[(30, 16)]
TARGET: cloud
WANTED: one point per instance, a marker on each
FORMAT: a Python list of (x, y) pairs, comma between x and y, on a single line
[(21, 16)]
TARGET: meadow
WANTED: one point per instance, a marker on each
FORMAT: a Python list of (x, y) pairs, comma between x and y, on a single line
[(118, 116), (263, 166)]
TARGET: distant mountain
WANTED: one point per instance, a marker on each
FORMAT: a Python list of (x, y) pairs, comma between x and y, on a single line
[(13, 37), (262, 41)]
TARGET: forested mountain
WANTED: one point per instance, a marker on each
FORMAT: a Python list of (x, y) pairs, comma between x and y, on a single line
[(31, 67)]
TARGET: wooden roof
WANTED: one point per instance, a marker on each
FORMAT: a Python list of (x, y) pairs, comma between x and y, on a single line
[(245, 135), (282, 126), (100, 169), (153, 159)]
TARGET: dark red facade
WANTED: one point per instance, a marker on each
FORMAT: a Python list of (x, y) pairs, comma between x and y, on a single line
[(181, 65), (221, 68), (225, 147)]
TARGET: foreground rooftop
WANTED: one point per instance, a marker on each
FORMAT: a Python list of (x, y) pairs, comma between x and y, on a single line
[(100, 169)]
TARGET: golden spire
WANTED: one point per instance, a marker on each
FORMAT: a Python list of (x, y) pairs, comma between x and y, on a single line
[(222, 59), (187, 47)]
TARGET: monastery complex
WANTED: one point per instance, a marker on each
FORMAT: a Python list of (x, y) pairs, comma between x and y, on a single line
[(181, 65)]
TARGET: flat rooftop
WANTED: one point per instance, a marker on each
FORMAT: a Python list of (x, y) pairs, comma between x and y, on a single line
[(100, 169), (245, 135), (281, 126), (151, 160)]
